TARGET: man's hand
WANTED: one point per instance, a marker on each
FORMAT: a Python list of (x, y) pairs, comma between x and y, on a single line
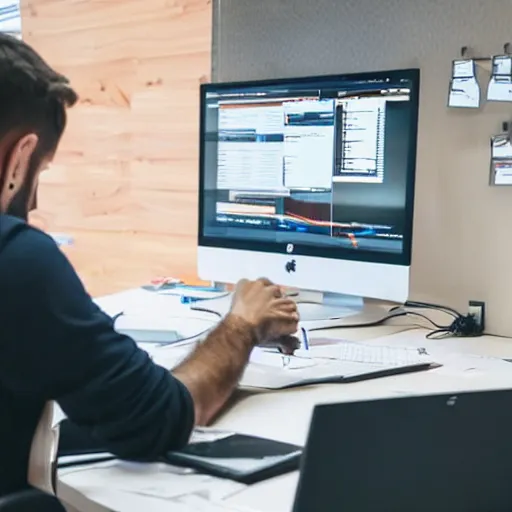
[(274, 317), (260, 314)]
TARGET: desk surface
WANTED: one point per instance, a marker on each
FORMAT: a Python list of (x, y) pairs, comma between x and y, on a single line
[(285, 415)]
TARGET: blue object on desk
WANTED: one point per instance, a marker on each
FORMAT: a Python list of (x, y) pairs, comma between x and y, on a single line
[(305, 338), (188, 299), (181, 286)]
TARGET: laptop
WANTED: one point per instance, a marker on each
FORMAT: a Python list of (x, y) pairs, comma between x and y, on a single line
[(442, 453)]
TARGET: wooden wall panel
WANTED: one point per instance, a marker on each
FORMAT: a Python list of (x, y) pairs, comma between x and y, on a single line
[(124, 182)]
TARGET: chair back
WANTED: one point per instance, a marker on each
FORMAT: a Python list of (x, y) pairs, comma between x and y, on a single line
[(42, 466)]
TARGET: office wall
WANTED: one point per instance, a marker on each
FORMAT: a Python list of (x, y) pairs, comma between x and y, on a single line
[(124, 182), (463, 228)]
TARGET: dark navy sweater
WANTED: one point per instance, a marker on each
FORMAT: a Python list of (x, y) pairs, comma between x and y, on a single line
[(56, 344)]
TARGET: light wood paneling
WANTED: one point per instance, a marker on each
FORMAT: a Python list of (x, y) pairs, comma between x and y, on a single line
[(124, 182)]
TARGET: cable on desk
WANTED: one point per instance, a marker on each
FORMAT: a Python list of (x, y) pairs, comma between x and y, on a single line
[(462, 325)]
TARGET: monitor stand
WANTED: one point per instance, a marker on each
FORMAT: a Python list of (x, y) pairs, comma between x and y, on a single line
[(317, 310), (330, 310)]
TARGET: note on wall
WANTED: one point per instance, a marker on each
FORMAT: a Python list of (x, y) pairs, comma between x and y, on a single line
[(10, 17)]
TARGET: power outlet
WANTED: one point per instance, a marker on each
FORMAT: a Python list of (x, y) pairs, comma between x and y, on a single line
[(477, 311)]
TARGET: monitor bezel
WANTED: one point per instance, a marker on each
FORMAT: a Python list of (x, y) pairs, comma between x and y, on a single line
[(404, 258)]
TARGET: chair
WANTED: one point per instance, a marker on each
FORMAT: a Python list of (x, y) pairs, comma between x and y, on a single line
[(41, 472), (30, 500), (42, 465)]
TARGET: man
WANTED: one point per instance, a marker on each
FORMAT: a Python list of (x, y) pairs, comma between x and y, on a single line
[(55, 344)]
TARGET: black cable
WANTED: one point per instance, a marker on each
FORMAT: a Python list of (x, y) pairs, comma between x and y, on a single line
[(426, 305), (462, 325), (425, 317)]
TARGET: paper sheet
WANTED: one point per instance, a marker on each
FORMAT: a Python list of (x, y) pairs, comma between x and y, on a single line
[(500, 85), (150, 317), (157, 480), (464, 88), (272, 370), (118, 303), (10, 17)]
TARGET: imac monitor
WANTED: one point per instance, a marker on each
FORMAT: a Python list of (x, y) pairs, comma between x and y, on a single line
[(310, 182)]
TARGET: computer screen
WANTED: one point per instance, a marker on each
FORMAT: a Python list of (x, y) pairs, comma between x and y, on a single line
[(319, 166)]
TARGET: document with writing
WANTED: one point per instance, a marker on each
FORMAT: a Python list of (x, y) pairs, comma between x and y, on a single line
[(340, 362), (329, 363)]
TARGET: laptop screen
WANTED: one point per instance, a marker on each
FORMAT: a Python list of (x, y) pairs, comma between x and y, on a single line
[(442, 453)]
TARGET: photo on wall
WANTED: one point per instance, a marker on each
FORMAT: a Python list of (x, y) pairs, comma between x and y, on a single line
[(10, 17)]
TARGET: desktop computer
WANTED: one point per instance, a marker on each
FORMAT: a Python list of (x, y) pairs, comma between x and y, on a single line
[(310, 182)]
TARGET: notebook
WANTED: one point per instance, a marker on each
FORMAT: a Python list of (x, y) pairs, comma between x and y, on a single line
[(242, 458)]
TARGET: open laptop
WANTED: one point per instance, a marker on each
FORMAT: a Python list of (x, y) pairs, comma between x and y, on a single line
[(442, 453)]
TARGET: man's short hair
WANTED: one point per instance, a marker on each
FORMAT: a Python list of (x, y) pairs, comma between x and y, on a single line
[(33, 96)]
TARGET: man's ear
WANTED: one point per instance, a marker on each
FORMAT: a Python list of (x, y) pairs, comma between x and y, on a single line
[(17, 167)]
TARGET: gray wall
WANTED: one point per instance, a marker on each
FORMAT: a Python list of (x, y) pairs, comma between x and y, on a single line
[(463, 228)]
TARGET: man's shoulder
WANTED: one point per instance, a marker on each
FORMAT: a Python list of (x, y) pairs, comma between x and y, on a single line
[(23, 247), (14, 231)]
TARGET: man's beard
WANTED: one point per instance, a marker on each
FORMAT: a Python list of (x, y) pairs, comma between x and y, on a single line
[(19, 206), (24, 201)]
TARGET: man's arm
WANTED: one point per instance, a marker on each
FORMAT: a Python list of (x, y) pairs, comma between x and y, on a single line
[(215, 367), (56, 344), (259, 314)]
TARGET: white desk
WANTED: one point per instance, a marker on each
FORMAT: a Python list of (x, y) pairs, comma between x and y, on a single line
[(285, 415)]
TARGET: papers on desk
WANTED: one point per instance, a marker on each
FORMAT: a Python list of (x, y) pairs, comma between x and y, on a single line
[(87, 458), (150, 317), (177, 485), (341, 362), (117, 303)]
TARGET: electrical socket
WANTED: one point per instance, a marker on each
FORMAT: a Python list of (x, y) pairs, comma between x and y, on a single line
[(477, 311)]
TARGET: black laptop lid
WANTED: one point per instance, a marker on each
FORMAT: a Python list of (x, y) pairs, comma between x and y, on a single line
[(437, 453)]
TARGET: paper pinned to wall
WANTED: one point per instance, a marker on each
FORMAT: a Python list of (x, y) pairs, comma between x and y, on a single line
[(500, 85), (501, 159), (10, 17), (464, 88)]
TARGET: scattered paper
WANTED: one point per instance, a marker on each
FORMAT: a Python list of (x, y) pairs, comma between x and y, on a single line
[(197, 503), (149, 317), (274, 359), (208, 435), (156, 480)]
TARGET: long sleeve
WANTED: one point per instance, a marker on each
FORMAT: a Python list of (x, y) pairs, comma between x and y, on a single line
[(57, 344)]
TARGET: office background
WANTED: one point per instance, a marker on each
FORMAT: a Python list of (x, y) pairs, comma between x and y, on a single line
[(124, 184), (463, 232)]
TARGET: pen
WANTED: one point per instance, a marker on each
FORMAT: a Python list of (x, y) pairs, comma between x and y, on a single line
[(305, 338)]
